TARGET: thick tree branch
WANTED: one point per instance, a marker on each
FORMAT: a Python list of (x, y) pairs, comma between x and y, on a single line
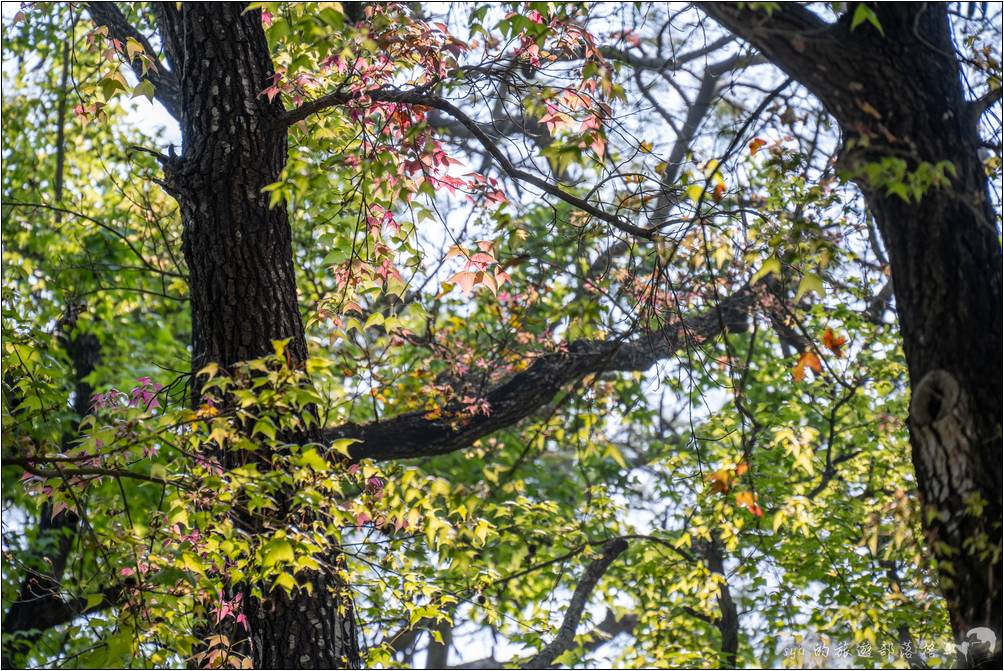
[(413, 435), (790, 36), (978, 107), (171, 30), (728, 621), (167, 90), (610, 628), (565, 637)]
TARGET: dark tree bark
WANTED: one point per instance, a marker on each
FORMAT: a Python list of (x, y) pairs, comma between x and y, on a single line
[(727, 622), (900, 95), (238, 249), (241, 276)]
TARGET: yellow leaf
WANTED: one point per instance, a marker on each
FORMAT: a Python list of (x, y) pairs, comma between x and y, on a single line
[(342, 445), (219, 433), (770, 265), (722, 254), (616, 455), (209, 370), (285, 581), (133, 47)]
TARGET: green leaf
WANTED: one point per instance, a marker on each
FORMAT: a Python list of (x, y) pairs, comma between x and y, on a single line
[(112, 84), (310, 458), (275, 551), (810, 282), (145, 89), (265, 427), (771, 265), (192, 563), (178, 516), (865, 13), (94, 600)]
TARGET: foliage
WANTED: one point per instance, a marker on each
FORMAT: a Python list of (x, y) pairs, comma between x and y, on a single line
[(769, 462)]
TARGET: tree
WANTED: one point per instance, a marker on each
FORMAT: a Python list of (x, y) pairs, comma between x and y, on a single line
[(381, 419), (910, 113)]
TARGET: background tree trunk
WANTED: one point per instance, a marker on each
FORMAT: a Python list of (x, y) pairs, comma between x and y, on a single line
[(899, 95), (242, 281)]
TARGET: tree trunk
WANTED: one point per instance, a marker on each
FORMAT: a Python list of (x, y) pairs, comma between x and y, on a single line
[(239, 252), (946, 268), (242, 280), (728, 617), (899, 95)]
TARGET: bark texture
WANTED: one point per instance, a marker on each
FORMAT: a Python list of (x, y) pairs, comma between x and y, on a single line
[(727, 622), (241, 275), (238, 249), (898, 94)]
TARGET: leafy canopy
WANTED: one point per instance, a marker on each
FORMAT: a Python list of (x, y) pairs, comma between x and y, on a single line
[(767, 460)]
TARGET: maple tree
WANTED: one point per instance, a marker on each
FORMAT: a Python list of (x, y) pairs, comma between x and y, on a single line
[(478, 335)]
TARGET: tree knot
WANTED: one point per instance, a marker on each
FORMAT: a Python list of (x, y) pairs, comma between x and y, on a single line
[(935, 397)]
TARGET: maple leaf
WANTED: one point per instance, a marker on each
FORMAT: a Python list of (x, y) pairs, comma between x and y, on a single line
[(756, 144), (721, 481), (718, 193), (599, 145), (556, 120), (271, 92), (807, 360), (748, 500), (833, 342), (465, 279)]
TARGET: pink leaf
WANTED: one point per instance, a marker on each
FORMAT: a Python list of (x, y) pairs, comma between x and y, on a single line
[(465, 279)]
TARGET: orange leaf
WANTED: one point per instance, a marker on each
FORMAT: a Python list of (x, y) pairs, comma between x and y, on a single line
[(748, 500), (718, 193), (756, 144), (721, 481), (807, 360), (465, 279), (833, 342)]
